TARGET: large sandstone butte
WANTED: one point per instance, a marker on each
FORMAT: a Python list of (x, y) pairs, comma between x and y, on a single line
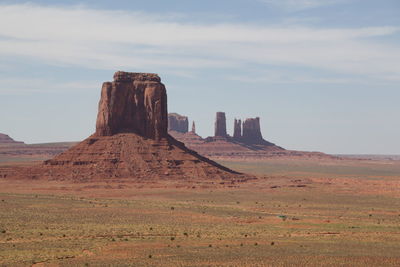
[(178, 123), (133, 103), (131, 140)]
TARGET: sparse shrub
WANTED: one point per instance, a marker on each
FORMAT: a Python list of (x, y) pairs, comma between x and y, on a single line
[(237, 202), (241, 244), (210, 246), (172, 238), (40, 234), (86, 264), (172, 208), (151, 228), (126, 239), (113, 240), (186, 234), (150, 256), (64, 235), (272, 243), (3, 231), (256, 244), (178, 246)]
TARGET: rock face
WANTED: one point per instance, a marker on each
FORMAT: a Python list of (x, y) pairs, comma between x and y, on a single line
[(131, 141), (5, 139), (220, 125), (237, 129), (252, 131), (133, 103), (178, 123)]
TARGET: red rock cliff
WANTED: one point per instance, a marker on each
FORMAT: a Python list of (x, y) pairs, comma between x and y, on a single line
[(133, 102)]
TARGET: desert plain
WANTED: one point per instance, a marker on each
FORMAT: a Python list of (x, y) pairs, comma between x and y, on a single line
[(296, 212)]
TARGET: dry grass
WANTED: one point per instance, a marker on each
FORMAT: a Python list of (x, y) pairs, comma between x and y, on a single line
[(328, 218)]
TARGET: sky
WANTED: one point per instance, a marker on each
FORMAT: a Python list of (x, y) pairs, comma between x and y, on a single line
[(323, 75)]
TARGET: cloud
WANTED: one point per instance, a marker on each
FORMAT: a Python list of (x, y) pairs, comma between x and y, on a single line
[(99, 39), (297, 5), (12, 86)]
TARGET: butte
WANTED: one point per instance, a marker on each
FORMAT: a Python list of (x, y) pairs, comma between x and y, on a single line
[(131, 141)]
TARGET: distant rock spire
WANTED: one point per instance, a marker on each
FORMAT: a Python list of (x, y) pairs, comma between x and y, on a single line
[(220, 125), (237, 130), (193, 127)]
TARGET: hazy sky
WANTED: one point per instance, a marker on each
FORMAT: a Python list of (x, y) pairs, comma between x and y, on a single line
[(323, 75)]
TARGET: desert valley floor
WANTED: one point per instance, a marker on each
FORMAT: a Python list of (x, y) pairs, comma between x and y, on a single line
[(298, 212)]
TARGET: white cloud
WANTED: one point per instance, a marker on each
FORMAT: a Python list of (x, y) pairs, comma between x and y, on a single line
[(301, 4), (12, 86), (142, 42)]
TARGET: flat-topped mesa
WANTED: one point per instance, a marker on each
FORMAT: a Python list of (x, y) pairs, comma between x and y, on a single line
[(220, 125), (178, 123), (237, 129), (251, 131), (133, 103)]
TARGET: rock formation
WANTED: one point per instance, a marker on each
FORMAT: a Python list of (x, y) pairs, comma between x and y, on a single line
[(252, 131), (131, 140), (5, 139), (133, 103), (237, 129), (193, 127), (178, 123), (220, 125)]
